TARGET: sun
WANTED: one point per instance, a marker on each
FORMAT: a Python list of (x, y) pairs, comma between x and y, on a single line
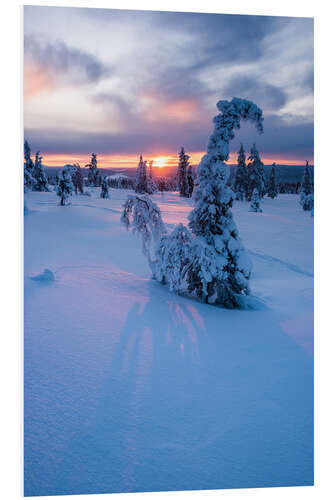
[(160, 161)]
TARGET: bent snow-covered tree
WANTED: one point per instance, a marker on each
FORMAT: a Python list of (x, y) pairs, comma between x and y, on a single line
[(145, 218), (209, 262)]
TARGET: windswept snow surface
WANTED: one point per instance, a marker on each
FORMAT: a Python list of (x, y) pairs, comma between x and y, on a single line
[(129, 387)]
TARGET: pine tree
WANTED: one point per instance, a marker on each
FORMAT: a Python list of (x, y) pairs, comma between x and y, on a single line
[(255, 202), (93, 174), (272, 189), (39, 174), (240, 185), (190, 181), (306, 197), (77, 179), (151, 184), (141, 182), (105, 188), (183, 165), (29, 180), (64, 187), (256, 174)]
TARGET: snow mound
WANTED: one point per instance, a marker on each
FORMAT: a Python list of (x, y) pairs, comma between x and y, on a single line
[(46, 275)]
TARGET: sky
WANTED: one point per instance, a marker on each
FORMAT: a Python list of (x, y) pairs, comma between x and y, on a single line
[(123, 83)]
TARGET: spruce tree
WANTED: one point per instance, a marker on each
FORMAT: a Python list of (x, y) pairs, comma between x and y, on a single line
[(255, 202), (272, 189), (151, 184), (182, 173), (77, 179), (104, 188), (306, 197), (93, 174), (39, 174), (190, 181), (240, 185), (29, 180), (64, 187), (141, 181), (255, 173)]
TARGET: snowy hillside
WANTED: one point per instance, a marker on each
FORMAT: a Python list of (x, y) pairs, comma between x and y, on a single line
[(129, 387)]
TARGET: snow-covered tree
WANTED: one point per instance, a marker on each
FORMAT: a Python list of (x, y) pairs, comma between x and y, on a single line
[(272, 188), (145, 218), (306, 197), (104, 189), (211, 263), (151, 184), (29, 180), (93, 174), (256, 175), (240, 184), (141, 181), (190, 181), (39, 174), (64, 187), (162, 184), (77, 179), (183, 165), (255, 201)]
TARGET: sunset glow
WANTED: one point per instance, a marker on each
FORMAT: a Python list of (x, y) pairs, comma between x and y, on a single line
[(159, 162)]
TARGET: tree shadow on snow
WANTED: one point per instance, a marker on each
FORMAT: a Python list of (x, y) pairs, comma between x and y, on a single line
[(189, 405)]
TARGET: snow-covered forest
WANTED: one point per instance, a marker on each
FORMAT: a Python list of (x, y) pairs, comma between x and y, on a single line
[(203, 383)]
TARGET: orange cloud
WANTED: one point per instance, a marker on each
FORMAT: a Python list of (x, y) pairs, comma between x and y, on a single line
[(36, 79), (158, 108)]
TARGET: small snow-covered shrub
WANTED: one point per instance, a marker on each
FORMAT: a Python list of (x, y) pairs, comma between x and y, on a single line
[(211, 263)]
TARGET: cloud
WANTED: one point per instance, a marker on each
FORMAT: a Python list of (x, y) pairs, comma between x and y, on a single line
[(265, 95), (150, 80), (75, 65), (290, 139)]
